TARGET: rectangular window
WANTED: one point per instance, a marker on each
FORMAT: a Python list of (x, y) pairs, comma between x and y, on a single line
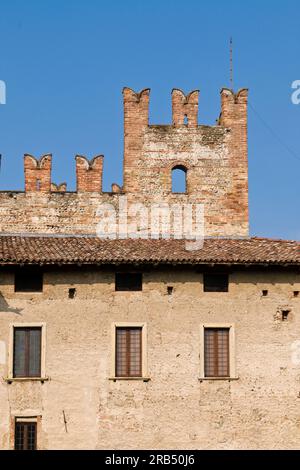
[(129, 352), (215, 282), (28, 279), (128, 282), (216, 352), (27, 352), (25, 435)]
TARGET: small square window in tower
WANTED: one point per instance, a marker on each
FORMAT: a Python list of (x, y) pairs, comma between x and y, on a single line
[(129, 282)]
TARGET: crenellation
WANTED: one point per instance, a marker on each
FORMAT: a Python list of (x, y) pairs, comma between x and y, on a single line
[(37, 173), (185, 108), (215, 159), (89, 173), (58, 188)]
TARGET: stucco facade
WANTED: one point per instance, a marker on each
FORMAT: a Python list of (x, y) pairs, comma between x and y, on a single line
[(259, 408)]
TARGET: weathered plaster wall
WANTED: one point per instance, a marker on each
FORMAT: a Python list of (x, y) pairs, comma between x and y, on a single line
[(173, 410)]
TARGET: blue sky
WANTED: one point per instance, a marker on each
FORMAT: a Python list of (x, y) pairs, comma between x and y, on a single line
[(65, 64)]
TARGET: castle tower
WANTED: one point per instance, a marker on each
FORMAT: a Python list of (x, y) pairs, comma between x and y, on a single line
[(214, 158)]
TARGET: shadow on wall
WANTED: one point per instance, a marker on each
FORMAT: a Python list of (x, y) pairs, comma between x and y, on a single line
[(4, 307)]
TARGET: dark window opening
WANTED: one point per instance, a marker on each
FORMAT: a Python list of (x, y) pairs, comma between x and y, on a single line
[(129, 282), (38, 185), (72, 293), (296, 293), (170, 290), (179, 177), (27, 352), (216, 352), (185, 120), (265, 293), (285, 315), (25, 435), (215, 282), (129, 352), (29, 279)]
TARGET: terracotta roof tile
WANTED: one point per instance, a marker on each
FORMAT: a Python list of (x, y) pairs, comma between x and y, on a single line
[(92, 250)]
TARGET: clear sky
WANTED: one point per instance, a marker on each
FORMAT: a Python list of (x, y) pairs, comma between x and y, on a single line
[(65, 63)]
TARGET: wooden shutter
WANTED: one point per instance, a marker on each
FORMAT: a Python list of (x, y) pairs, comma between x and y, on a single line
[(216, 352), (128, 352), (25, 435), (27, 352)]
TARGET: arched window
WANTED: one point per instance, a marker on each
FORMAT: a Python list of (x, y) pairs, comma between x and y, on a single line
[(179, 179)]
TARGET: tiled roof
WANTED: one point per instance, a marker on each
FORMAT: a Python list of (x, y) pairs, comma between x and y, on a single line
[(16, 249)]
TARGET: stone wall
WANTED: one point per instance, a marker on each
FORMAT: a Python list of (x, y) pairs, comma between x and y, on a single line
[(215, 159), (173, 409)]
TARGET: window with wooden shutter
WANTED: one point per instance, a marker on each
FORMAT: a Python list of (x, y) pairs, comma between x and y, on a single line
[(27, 352), (129, 352), (25, 435), (216, 352)]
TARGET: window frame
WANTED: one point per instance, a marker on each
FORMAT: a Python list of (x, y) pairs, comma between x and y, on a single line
[(33, 417), (144, 362), (26, 421), (232, 353), (41, 325), (128, 347)]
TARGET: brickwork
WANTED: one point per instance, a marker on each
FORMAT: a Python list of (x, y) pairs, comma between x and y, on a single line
[(215, 159), (37, 173), (185, 107), (89, 174)]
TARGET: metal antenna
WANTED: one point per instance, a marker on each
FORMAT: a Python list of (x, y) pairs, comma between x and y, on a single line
[(231, 64)]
